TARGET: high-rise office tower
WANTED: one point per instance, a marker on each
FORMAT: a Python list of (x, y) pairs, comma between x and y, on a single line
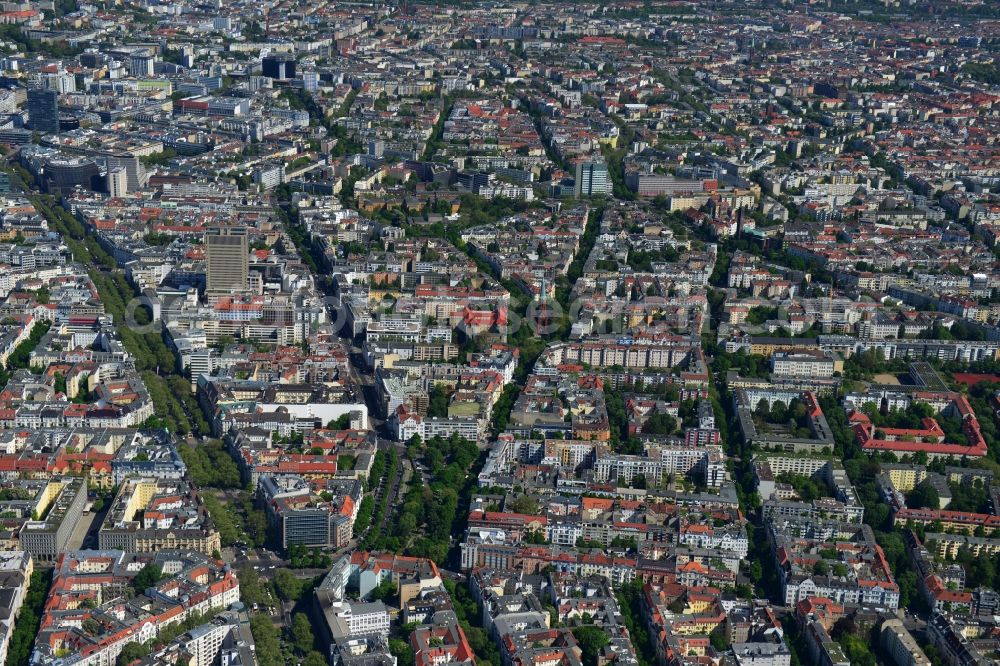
[(141, 63), (310, 81), (592, 179), (278, 66), (61, 82), (227, 261), (43, 110), (117, 181), (135, 171)]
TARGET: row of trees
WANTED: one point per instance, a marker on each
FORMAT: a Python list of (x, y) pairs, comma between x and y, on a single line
[(254, 589), (502, 409), (225, 522), (266, 641), (614, 402), (26, 627), (309, 253), (633, 613), (238, 519), (20, 358), (303, 557), (365, 511), (390, 465), (210, 465), (270, 650), (377, 471), (172, 395), (429, 514)]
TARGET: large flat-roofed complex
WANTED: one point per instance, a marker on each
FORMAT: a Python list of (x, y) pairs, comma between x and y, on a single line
[(148, 515), (58, 508)]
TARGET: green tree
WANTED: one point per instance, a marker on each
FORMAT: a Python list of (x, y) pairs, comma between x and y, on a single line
[(342, 422), (288, 587), (211, 465), (131, 652), (592, 640), (365, 510), (402, 651), (386, 590), (149, 575), (314, 658), (719, 638), (252, 589), (525, 504), (438, 405), (660, 424), (265, 636), (26, 628), (924, 496), (302, 634)]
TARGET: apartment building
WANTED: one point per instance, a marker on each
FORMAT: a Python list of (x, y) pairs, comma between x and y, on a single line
[(901, 646), (149, 515), (57, 511), (813, 363), (194, 585)]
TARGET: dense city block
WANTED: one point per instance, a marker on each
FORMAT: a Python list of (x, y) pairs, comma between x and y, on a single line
[(497, 333)]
